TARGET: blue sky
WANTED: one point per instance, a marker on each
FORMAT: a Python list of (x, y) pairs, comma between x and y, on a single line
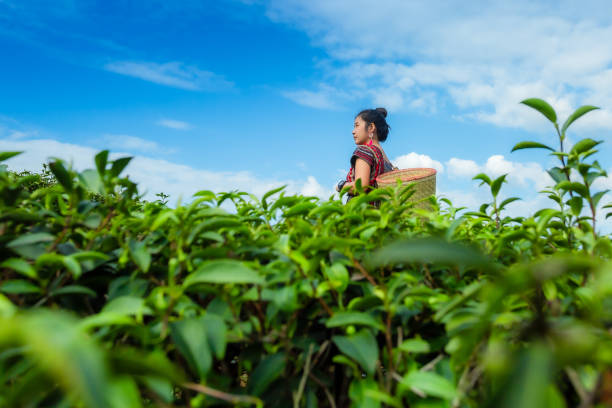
[(253, 94)]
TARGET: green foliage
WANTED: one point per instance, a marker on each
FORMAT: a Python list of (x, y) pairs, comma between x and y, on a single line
[(108, 300)]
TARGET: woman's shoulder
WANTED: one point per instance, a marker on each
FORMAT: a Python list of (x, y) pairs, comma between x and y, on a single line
[(363, 148), (365, 153)]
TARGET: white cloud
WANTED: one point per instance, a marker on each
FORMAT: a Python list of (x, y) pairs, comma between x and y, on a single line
[(483, 57), (325, 97), (313, 188), (527, 206), (131, 143), (462, 168), (414, 160), (8, 129), (17, 134), (460, 198), (156, 175), (174, 124), (173, 74), (603, 183), (496, 165), (311, 99), (520, 173)]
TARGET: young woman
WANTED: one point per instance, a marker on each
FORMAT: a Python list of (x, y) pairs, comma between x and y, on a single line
[(369, 159)]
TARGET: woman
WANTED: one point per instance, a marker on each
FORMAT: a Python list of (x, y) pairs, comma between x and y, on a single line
[(369, 159)]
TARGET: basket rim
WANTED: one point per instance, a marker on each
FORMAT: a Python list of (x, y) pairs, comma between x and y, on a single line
[(429, 172)]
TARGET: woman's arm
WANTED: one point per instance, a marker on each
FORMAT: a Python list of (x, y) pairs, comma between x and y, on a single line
[(362, 171)]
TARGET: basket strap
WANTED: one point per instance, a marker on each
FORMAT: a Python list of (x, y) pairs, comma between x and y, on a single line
[(380, 162)]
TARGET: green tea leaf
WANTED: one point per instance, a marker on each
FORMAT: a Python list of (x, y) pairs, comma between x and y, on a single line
[(73, 290), (482, 177), (285, 298), (105, 319), (577, 114), (127, 305), (270, 193), (584, 145), (299, 209), (135, 362), (64, 353), (364, 394), (7, 309), (527, 385), (340, 319), (216, 333), (119, 165), (496, 184), (189, 336), (544, 216), (101, 160), (268, 370), (33, 238), (598, 196), (429, 250), (21, 266), (338, 276), (19, 287), (61, 174), (575, 204), (361, 347), (223, 271), (140, 255), (557, 174), (57, 260), (7, 155), (543, 107), (573, 186), (507, 201), (123, 392), (531, 145), (91, 180), (72, 265), (430, 384), (415, 346)]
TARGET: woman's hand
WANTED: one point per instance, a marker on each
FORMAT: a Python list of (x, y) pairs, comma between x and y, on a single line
[(350, 185)]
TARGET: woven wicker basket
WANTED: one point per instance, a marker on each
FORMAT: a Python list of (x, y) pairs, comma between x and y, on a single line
[(424, 180)]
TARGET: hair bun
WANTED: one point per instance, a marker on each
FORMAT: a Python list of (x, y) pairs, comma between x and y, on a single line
[(382, 111)]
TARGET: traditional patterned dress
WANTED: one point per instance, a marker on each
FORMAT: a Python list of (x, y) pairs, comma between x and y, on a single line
[(376, 160)]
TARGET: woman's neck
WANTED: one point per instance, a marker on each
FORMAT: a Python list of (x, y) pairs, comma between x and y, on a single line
[(377, 144)]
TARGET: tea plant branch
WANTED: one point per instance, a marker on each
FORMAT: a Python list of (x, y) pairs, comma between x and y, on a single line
[(399, 379), (259, 312), (400, 340), (389, 349), (328, 394), (300, 392), (430, 366), (224, 396), (577, 384), (364, 272), (466, 382), (314, 293), (429, 280), (61, 235), (322, 349), (566, 170), (164, 329), (102, 225)]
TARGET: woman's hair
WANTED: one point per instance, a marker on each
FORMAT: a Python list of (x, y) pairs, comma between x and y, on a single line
[(377, 117)]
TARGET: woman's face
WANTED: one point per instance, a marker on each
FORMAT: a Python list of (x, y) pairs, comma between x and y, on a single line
[(360, 131)]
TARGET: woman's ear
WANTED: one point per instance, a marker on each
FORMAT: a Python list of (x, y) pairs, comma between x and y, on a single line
[(372, 128)]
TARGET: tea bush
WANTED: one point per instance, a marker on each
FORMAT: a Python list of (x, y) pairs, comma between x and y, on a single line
[(107, 300)]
